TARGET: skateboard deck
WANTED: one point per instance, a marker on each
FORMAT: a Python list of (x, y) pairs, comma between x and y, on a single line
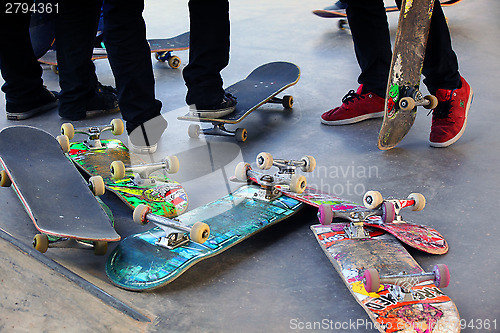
[(161, 47), (165, 196), (427, 309), (261, 86), (138, 264), (52, 191), (405, 71)]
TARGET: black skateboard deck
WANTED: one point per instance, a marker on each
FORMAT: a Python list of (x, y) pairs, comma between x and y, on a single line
[(259, 87), (52, 191), (161, 47)]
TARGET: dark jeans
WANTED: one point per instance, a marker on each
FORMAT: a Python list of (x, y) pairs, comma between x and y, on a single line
[(372, 45), (20, 69), (128, 54), (209, 51)]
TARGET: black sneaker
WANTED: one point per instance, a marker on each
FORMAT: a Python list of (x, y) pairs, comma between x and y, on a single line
[(103, 102), (227, 106), (43, 102)]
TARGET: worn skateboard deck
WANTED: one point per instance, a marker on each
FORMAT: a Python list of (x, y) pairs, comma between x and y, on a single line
[(165, 197), (406, 68), (52, 191), (162, 48), (259, 87), (138, 264), (341, 13), (429, 310)]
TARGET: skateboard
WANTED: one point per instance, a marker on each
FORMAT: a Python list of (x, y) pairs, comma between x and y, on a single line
[(396, 293), (261, 86), (138, 184), (403, 95), (162, 48), (154, 258), (343, 24), (54, 194), (377, 212)]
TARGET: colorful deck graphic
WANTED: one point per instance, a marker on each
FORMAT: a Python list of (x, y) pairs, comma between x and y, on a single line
[(166, 197)]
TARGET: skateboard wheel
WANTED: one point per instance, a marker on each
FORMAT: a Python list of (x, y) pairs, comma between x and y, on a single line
[(264, 161), (433, 102), (406, 103), (419, 200), (241, 171), (194, 131), (241, 134), (100, 248), (310, 163), (199, 232), (55, 69), (372, 199), (117, 169), (371, 280), (441, 275), (388, 212), (68, 130), (287, 102), (343, 24), (174, 62), (140, 213), (63, 142), (325, 214), (4, 179), (41, 243), (97, 185), (173, 164), (298, 183), (117, 126)]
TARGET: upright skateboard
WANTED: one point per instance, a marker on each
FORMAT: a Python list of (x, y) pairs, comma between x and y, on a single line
[(162, 48), (396, 293), (403, 95), (259, 87), (376, 212), (52, 191), (137, 184)]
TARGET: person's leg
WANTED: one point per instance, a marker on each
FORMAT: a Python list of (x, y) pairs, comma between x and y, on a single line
[(372, 46), (443, 79), (76, 26), (25, 94), (130, 59), (208, 54)]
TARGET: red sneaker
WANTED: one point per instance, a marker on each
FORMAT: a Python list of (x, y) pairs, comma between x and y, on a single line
[(355, 107), (449, 118)]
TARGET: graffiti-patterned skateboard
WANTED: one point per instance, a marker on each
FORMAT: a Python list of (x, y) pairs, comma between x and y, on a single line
[(396, 293), (154, 258), (142, 183), (377, 212)]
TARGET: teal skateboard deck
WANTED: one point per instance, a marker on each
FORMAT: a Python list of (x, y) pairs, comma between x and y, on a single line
[(137, 263)]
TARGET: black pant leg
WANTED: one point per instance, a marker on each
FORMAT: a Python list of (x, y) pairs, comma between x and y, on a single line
[(76, 26), (209, 51), (372, 44), (441, 63), (130, 59), (20, 69)]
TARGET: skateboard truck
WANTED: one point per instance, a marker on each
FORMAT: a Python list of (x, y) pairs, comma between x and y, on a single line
[(194, 131), (400, 285), (142, 172), (116, 127), (413, 97), (392, 207), (176, 234), (41, 243)]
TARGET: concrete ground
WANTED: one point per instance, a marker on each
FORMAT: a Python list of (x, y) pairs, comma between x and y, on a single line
[(280, 280)]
